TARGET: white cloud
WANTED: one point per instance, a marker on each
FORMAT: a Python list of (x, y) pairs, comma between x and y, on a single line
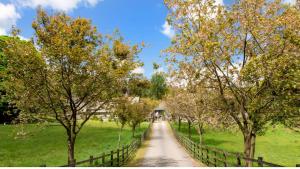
[(219, 2), (168, 30), (9, 14), (23, 38), (160, 69), (139, 70), (291, 2), (8, 17), (60, 5), (92, 2)]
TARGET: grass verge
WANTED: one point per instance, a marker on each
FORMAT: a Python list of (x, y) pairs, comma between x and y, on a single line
[(278, 145), (47, 144)]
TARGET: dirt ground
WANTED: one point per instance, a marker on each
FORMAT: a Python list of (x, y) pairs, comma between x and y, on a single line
[(163, 150)]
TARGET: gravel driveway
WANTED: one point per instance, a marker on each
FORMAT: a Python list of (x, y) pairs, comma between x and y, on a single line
[(163, 149)]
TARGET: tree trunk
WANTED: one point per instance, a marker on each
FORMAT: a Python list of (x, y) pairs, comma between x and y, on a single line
[(189, 130), (253, 141), (120, 132), (71, 150), (179, 123), (133, 130), (200, 128), (249, 146), (200, 138)]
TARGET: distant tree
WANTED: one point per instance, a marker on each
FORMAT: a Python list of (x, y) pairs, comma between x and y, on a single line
[(158, 86), (172, 107), (75, 73), (122, 113), (138, 85), (182, 105), (139, 111)]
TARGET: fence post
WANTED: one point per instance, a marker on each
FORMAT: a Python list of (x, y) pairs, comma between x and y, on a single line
[(118, 157), (123, 155), (225, 159), (215, 158), (260, 161), (186, 143), (103, 159), (207, 157), (91, 160), (202, 155), (238, 160), (198, 152), (190, 147), (73, 164), (127, 151), (111, 158), (194, 145)]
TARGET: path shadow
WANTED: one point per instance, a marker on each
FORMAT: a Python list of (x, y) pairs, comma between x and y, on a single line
[(213, 142), (158, 162), (156, 137)]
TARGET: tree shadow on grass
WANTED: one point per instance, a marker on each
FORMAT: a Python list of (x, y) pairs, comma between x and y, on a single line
[(214, 142)]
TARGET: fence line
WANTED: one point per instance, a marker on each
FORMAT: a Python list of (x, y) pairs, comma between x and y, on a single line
[(212, 156), (114, 158)]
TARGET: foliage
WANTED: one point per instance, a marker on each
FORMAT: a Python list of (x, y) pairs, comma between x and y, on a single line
[(196, 107), (158, 86), (8, 111), (75, 73), (139, 111), (138, 85), (245, 55), (156, 66), (121, 110)]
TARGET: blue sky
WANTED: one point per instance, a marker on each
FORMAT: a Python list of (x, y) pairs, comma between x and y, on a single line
[(137, 20)]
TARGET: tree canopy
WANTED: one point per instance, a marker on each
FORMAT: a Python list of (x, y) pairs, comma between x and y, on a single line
[(246, 56), (70, 71), (8, 110), (158, 86)]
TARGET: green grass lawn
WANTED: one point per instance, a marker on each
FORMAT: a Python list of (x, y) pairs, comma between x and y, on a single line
[(48, 144), (278, 145)]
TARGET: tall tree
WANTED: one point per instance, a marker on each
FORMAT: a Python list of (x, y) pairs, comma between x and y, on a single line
[(75, 72), (158, 86), (8, 111), (239, 50)]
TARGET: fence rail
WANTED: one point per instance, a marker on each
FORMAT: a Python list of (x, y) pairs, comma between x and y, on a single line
[(114, 158), (212, 156)]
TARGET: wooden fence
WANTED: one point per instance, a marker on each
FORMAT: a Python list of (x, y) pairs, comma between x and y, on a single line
[(212, 156), (113, 158)]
